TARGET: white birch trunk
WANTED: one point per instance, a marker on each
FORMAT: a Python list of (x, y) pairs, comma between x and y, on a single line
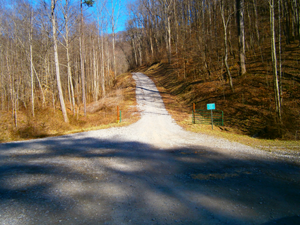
[(31, 65), (81, 47), (60, 92), (103, 66)]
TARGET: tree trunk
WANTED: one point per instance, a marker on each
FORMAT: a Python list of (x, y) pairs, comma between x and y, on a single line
[(13, 99), (256, 21), (134, 50), (114, 38), (274, 59), (31, 64), (95, 74), (169, 39), (114, 51), (70, 80), (280, 50), (103, 67), (60, 92), (81, 47), (240, 5), (225, 25)]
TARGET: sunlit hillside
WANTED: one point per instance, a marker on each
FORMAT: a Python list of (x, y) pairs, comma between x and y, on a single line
[(241, 55)]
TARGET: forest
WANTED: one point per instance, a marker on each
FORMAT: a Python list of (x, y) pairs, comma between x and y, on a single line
[(56, 54), (66, 54), (246, 52)]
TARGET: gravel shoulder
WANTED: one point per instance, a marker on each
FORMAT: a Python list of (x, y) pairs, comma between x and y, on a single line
[(151, 172)]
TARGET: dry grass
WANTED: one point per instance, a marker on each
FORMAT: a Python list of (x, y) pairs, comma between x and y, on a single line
[(242, 118), (49, 122)]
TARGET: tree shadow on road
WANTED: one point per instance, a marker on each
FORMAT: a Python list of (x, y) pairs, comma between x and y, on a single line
[(96, 181)]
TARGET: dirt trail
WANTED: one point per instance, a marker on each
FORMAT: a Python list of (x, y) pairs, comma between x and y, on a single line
[(151, 172)]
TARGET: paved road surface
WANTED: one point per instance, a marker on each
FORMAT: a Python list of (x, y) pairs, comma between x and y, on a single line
[(152, 172)]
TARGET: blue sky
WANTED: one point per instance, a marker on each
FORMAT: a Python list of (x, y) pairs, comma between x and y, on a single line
[(120, 11)]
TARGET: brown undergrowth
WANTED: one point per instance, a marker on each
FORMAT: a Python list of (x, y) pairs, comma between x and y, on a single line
[(249, 111), (49, 121)]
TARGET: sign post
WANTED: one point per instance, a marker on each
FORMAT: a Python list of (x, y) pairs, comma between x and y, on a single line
[(211, 107), (118, 115), (194, 113)]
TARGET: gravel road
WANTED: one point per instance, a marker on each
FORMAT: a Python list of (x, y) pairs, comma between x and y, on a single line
[(151, 172)]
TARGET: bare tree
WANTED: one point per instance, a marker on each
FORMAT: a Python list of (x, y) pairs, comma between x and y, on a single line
[(274, 58), (225, 26), (240, 6), (66, 37), (59, 87), (31, 63), (167, 12), (88, 3), (82, 58)]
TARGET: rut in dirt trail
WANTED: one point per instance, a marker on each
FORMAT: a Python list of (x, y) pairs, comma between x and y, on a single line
[(151, 172)]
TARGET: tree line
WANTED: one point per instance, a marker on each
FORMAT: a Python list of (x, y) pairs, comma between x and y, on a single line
[(67, 53), (57, 52), (213, 35)]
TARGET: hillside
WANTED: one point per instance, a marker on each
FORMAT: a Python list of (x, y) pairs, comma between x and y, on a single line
[(241, 55), (48, 121), (249, 110)]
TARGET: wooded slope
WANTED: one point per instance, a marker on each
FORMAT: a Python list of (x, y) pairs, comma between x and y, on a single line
[(58, 54), (243, 55)]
